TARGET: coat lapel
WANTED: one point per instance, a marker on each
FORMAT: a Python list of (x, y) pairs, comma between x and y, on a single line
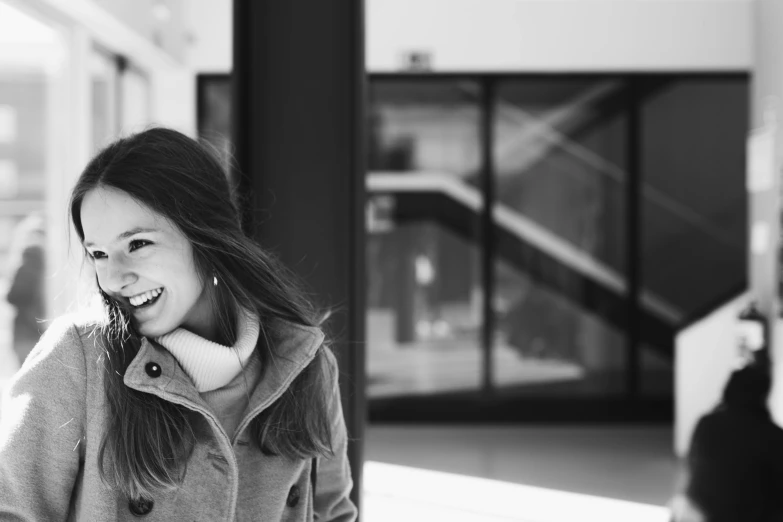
[(173, 384), (295, 350), (293, 353)]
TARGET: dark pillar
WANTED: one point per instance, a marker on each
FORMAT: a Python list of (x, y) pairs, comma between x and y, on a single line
[(298, 130)]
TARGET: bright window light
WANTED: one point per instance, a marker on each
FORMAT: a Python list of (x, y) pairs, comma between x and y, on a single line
[(16, 26), (393, 493)]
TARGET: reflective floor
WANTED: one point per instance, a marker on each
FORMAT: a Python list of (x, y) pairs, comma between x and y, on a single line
[(451, 362), (551, 473)]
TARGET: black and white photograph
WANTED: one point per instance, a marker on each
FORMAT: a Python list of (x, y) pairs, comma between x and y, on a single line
[(391, 260)]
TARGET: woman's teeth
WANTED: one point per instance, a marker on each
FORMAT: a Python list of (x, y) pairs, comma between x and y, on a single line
[(138, 300)]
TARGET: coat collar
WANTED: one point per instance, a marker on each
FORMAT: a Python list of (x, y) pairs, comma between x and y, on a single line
[(297, 346)]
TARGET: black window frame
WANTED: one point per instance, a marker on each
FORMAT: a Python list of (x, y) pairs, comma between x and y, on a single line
[(485, 405)]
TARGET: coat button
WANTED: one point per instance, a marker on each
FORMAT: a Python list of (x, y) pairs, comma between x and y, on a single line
[(293, 496), (140, 507), (153, 369)]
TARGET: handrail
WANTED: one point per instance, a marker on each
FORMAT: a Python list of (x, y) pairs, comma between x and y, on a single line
[(555, 118), (545, 128), (523, 228)]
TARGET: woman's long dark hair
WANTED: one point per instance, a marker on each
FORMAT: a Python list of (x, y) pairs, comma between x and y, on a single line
[(148, 440)]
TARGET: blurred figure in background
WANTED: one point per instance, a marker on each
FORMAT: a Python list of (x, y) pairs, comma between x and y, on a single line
[(26, 291), (735, 462)]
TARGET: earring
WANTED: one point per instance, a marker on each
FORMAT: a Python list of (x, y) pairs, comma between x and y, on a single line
[(214, 278)]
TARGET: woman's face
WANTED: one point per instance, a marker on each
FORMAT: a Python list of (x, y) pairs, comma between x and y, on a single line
[(145, 262)]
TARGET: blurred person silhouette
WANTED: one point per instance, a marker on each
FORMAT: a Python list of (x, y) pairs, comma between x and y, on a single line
[(735, 461), (26, 290), (202, 387)]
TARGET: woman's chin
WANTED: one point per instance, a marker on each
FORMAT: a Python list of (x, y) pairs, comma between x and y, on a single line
[(151, 330)]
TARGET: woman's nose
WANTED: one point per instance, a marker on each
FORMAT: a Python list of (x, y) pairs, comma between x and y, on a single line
[(117, 275)]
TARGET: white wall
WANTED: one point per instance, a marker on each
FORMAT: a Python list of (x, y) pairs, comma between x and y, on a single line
[(209, 23), (562, 35), (527, 35), (174, 99), (167, 33), (705, 354)]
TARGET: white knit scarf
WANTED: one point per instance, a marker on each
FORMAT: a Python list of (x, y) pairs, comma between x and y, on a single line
[(211, 365)]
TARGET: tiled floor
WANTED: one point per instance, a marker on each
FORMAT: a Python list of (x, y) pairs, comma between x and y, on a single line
[(605, 473)]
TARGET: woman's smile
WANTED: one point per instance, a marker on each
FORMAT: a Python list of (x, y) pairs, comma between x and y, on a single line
[(145, 305), (145, 298)]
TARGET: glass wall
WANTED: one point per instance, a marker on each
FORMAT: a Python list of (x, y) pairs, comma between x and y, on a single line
[(31, 56), (694, 226), (62, 97), (120, 97), (214, 116), (423, 259), (560, 165), (498, 242), (105, 89)]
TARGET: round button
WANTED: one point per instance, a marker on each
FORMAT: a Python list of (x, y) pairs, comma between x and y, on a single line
[(153, 369), (293, 496), (140, 507)]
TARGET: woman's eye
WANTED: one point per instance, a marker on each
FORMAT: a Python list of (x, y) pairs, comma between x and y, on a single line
[(97, 254), (138, 243)]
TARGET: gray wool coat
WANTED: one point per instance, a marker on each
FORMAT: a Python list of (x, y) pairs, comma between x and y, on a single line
[(53, 420)]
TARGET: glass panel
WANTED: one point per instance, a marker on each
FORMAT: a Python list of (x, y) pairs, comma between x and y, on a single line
[(215, 116), (30, 57), (103, 70), (560, 158), (423, 256), (694, 214)]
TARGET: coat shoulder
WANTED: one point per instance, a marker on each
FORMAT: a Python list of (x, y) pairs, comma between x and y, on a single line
[(68, 336)]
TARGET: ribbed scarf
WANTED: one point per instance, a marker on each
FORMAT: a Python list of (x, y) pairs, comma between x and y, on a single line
[(211, 365)]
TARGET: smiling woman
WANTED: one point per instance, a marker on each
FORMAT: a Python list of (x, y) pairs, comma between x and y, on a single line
[(231, 381), (134, 251)]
